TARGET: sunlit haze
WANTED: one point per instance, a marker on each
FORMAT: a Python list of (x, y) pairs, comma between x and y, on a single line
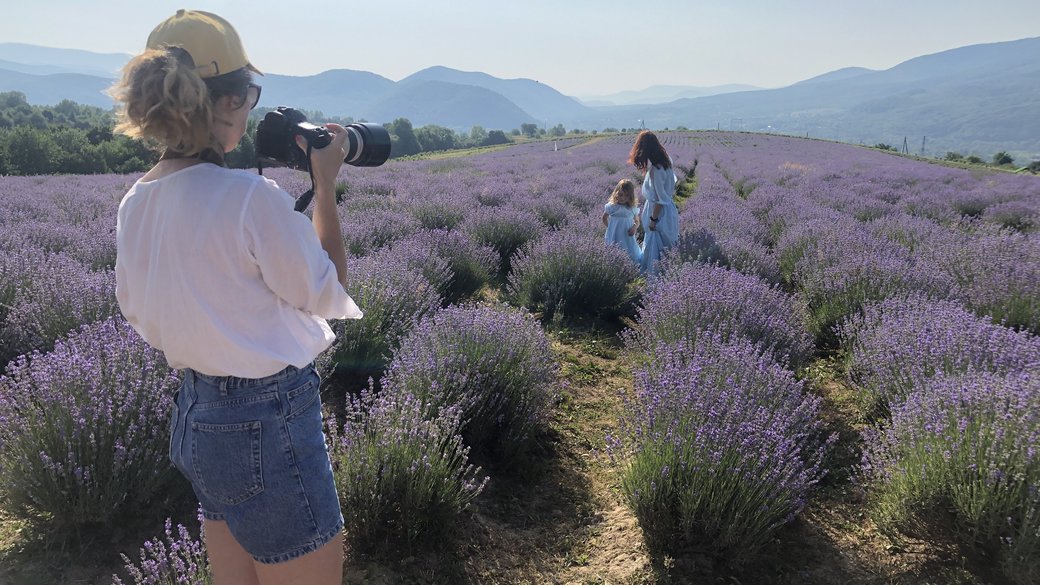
[(580, 47)]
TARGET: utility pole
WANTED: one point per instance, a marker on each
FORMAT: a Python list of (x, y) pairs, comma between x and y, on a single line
[(906, 149), (923, 139)]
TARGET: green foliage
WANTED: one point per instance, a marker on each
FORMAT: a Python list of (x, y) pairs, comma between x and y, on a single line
[(432, 137), (557, 130), (953, 156), (528, 129), (963, 449), (495, 137), (477, 135), (1003, 158), (883, 146), (403, 477), (403, 139), (1034, 167), (974, 160)]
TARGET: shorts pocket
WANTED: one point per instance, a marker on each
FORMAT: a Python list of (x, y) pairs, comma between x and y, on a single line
[(226, 460), (304, 396)]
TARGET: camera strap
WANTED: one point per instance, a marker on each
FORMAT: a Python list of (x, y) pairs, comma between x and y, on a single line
[(304, 200)]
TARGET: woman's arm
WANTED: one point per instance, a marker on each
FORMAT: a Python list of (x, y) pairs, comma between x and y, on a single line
[(326, 163), (605, 216)]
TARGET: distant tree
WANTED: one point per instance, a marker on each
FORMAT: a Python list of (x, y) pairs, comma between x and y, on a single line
[(244, 155), (1034, 167), (75, 154), (12, 99), (883, 146), (529, 130), (514, 132), (432, 137), (557, 130), (953, 156), (495, 137), (477, 135), (608, 129), (1003, 158), (31, 152), (975, 160), (99, 134), (681, 128), (577, 131), (402, 138)]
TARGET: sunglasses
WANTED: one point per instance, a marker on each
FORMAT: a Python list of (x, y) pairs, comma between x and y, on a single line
[(256, 100)]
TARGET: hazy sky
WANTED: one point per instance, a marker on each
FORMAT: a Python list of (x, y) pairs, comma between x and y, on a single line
[(580, 47)]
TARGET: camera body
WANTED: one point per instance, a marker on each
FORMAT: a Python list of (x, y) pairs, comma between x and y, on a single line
[(367, 145)]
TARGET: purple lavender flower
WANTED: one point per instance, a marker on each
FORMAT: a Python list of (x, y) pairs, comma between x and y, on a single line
[(393, 298), (178, 558), (86, 428), (696, 298), (722, 446), (402, 470), (966, 444), (568, 273), (897, 345), (492, 363)]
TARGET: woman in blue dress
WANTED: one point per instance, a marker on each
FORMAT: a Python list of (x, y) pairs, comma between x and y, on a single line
[(659, 216), (621, 216)]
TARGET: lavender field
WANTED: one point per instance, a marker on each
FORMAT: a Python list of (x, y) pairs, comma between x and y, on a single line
[(833, 378)]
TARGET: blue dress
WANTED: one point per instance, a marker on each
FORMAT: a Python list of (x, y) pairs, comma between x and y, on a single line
[(619, 220), (658, 187)]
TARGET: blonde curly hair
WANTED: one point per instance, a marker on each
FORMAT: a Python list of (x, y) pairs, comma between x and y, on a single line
[(624, 193), (165, 102)]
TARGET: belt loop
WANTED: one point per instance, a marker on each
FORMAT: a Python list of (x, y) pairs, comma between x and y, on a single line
[(223, 385)]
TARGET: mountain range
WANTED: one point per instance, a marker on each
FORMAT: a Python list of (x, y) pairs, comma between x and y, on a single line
[(975, 99)]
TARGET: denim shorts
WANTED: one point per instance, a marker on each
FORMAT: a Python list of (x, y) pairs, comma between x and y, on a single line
[(254, 450)]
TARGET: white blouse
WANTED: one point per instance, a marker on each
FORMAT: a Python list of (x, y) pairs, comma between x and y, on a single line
[(214, 268)]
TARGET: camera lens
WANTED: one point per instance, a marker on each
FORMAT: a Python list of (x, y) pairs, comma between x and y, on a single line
[(368, 145)]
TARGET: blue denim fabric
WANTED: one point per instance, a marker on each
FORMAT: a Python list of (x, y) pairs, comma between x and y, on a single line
[(254, 451)]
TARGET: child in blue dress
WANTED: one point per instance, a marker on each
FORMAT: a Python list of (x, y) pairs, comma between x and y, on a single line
[(621, 216)]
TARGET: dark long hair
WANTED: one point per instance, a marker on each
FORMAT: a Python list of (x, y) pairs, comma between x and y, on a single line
[(648, 149)]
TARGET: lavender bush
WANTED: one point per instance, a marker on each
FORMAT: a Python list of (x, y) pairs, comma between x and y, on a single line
[(403, 475), (898, 344), (438, 213), (177, 559), (393, 297), (723, 448), (505, 229), (44, 296), (968, 446), (368, 230), (695, 299), (573, 274), (996, 272), (85, 429), (1014, 215), (471, 265), (838, 274), (492, 363)]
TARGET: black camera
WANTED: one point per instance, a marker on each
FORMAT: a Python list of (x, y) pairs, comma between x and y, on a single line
[(367, 145)]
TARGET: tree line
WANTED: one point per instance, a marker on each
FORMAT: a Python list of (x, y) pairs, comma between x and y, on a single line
[(79, 139)]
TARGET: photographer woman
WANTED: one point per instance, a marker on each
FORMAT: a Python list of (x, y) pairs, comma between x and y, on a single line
[(659, 216), (215, 269)]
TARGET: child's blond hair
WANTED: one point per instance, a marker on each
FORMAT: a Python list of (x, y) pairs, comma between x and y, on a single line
[(624, 193)]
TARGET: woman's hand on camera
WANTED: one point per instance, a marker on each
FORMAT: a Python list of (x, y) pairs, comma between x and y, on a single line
[(326, 162)]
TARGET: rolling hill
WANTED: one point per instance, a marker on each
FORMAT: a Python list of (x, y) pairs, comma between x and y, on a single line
[(975, 99)]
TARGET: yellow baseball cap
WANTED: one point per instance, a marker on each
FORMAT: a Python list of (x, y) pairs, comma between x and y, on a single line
[(210, 40)]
